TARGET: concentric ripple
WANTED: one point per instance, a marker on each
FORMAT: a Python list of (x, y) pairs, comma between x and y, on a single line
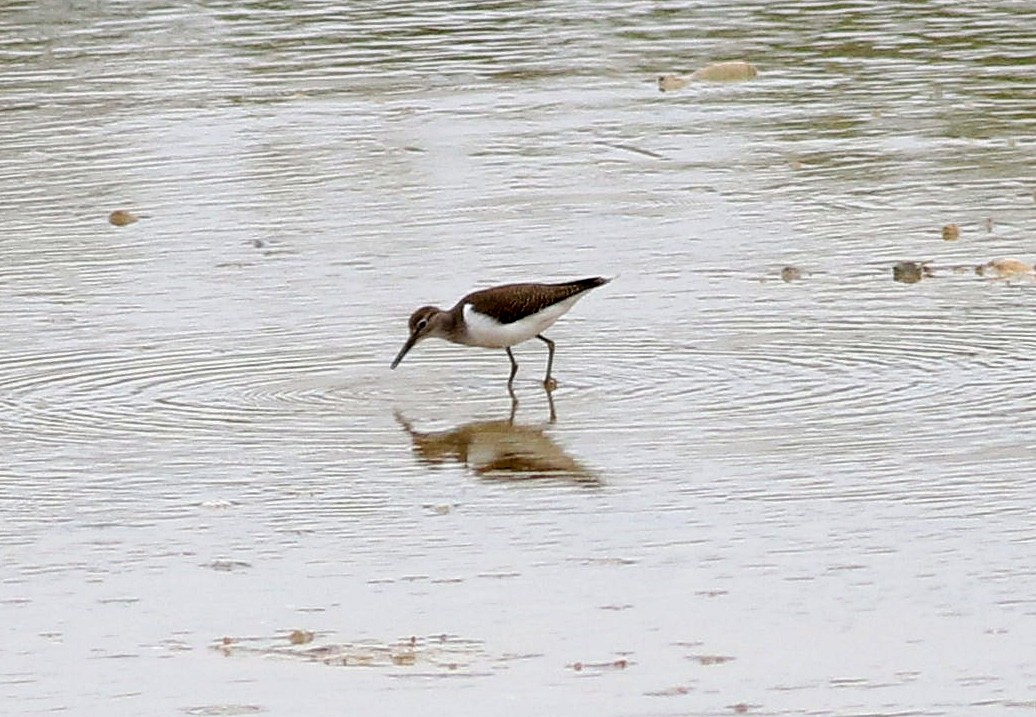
[(80, 396)]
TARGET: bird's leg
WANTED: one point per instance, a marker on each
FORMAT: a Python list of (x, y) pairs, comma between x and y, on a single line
[(548, 382), (514, 408), (550, 402), (514, 370)]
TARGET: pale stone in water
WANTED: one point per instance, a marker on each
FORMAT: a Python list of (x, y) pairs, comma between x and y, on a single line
[(736, 71), (1004, 268), (667, 83), (725, 72)]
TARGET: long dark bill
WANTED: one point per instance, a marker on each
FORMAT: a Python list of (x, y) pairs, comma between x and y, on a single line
[(406, 347)]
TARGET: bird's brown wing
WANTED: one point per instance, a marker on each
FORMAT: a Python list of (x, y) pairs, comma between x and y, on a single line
[(512, 302)]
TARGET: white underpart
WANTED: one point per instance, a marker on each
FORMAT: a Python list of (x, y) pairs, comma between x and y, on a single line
[(489, 333)]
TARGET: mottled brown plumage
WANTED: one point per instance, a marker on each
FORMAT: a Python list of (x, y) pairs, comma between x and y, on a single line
[(512, 302)]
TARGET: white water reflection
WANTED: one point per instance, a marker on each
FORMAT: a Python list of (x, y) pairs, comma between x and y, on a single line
[(825, 480)]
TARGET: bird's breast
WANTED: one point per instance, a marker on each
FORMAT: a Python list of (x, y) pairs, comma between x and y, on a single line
[(487, 332)]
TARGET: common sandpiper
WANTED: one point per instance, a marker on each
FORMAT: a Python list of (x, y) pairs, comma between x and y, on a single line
[(500, 317)]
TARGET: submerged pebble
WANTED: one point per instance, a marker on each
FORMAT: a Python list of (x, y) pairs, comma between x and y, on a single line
[(735, 71), (951, 232), (300, 637), (120, 218), (667, 83), (1004, 268), (791, 273), (910, 272)]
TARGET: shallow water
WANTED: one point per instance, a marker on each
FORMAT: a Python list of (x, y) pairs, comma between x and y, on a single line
[(826, 481)]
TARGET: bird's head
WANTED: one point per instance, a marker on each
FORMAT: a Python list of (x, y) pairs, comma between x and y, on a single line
[(425, 322)]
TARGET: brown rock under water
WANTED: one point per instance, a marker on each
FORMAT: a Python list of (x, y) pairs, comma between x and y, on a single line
[(300, 637), (120, 218), (951, 232), (910, 272), (791, 273)]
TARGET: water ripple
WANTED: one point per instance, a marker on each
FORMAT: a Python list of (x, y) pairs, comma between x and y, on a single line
[(84, 395)]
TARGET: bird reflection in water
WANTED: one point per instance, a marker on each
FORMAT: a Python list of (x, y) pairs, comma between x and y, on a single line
[(500, 450)]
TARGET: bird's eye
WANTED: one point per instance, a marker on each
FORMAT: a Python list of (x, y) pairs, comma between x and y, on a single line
[(421, 324)]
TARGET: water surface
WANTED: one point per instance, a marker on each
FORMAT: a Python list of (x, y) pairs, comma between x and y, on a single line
[(787, 498)]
